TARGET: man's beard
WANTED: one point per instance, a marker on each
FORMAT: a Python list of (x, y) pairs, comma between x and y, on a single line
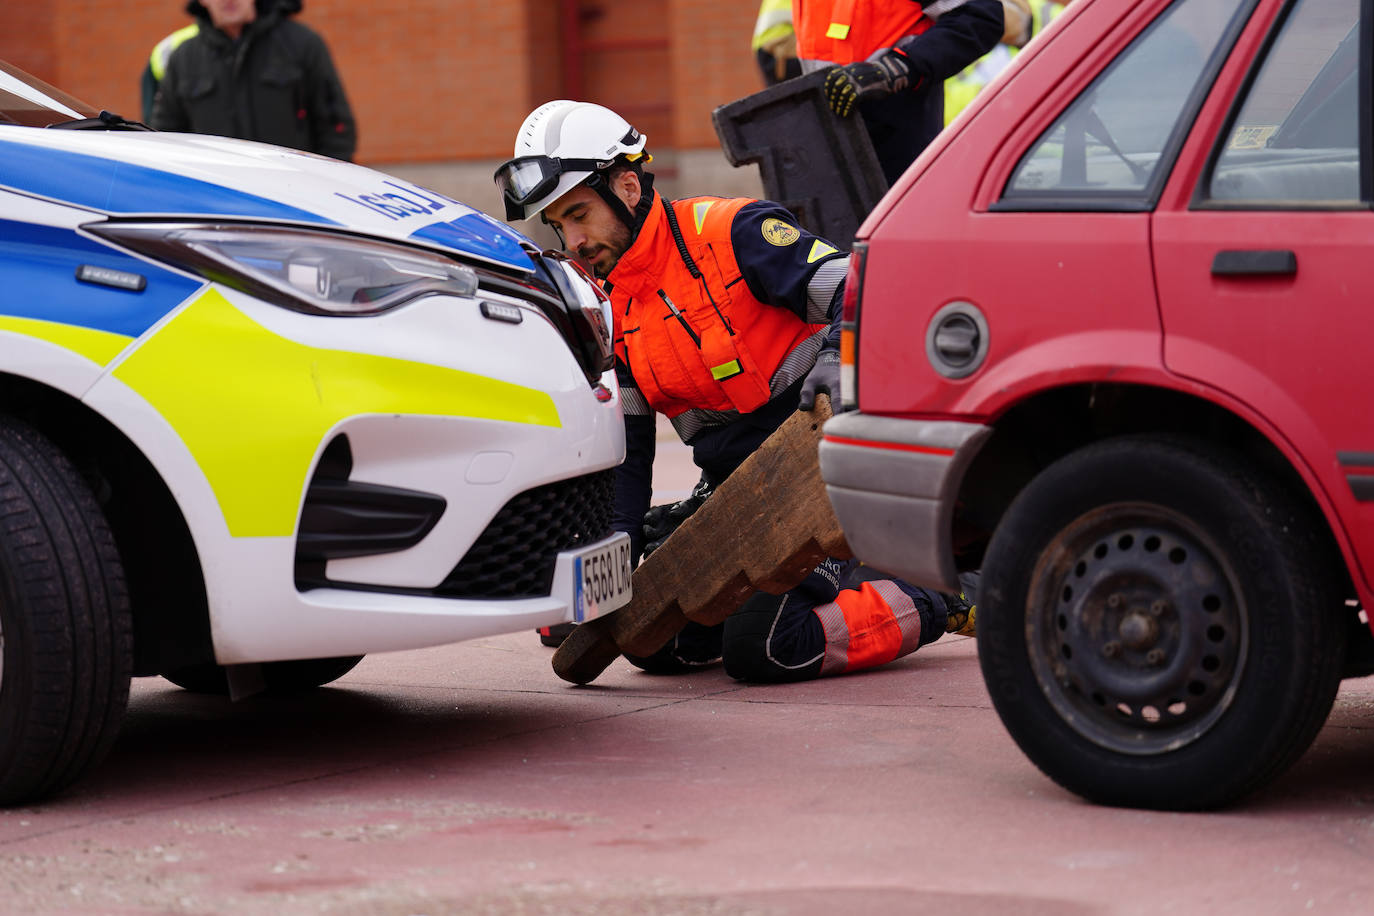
[(617, 245)]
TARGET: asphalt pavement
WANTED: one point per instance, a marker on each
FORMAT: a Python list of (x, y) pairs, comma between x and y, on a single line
[(470, 779)]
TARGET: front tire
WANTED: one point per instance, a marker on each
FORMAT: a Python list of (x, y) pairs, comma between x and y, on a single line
[(1158, 627), (66, 644)]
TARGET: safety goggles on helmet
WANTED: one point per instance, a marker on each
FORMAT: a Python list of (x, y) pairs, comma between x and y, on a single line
[(529, 178)]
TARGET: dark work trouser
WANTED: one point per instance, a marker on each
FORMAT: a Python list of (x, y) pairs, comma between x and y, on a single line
[(844, 617)]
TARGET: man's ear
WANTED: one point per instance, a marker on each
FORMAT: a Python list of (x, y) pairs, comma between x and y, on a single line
[(627, 187)]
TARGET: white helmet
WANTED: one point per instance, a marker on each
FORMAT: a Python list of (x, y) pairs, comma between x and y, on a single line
[(561, 145)]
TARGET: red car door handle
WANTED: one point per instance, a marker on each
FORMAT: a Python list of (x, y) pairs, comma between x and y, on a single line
[(1251, 263)]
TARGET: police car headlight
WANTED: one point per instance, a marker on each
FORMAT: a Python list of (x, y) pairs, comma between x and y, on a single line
[(589, 309), (321, 273)]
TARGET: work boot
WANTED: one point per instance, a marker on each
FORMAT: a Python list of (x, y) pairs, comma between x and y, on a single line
[(963, 607), (553, 636)]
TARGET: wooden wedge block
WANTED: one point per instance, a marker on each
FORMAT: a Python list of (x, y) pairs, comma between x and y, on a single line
[(764, 529)]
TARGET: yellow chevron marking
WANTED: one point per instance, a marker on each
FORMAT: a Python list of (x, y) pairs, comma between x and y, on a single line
[(819, 250), (699, 213)]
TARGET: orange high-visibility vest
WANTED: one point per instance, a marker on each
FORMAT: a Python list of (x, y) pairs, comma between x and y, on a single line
[(697, 341), (845, 31)]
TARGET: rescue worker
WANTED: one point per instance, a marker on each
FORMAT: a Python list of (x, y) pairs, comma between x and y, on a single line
[(726, 320), (775, 42), (157, 66), (251, 71), (890, 60), (1024, 20)]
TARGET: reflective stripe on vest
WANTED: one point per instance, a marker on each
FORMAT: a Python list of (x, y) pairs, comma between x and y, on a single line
[(162, 51), (963, 86), (845, 31), (697, 342), (1044, 14), (868, 627), (959, 91)]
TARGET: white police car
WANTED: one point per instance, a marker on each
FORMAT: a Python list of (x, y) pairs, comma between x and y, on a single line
[(263, 412)]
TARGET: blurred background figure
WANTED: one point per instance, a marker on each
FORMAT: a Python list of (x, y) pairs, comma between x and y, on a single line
[(253, 72), (1024, 20), (775, 42), (157, 65), (890, 59), (396, 61)]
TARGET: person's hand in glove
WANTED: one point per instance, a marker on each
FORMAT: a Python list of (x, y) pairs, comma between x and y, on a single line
[(885, 72), (824, 378), (661, 521), (783, 48)]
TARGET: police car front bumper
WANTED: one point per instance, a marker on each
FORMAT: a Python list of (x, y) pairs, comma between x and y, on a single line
[(893, 484)]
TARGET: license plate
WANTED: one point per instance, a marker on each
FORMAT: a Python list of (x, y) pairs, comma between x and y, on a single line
[(601, 579)]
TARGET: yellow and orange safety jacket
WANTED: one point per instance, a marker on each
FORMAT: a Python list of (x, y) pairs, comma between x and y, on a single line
[(845, 31), (691, 332)]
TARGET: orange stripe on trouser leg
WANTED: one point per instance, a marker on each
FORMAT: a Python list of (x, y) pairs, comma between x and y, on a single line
[(875, 636)]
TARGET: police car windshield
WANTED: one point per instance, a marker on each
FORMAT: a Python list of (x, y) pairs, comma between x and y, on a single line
[(29, 101)]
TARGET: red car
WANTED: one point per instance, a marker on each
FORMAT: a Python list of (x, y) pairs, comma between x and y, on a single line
[(1111, 340)]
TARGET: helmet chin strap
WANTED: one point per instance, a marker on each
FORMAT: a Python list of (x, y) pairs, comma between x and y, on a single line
[(598, 183), (634, 221), (646, 203)]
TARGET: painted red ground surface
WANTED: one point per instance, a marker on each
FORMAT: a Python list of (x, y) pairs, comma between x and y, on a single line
[(469, 779)]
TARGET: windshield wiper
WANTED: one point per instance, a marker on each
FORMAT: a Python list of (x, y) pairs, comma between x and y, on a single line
[(106, 120)]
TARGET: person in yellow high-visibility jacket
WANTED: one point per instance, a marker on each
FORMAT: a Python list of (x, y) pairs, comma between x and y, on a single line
[(1024, 20), (775, 42)]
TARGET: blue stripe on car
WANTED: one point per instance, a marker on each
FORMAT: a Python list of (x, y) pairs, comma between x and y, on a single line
[(118, 187), (479, 235), (39, 266)]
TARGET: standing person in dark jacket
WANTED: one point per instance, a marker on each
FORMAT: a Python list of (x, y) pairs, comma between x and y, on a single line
[(726, 320), (157, 65), (891, 59), (253, 72)]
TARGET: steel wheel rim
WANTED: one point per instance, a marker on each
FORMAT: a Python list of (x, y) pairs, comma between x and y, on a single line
[(1136, 629)]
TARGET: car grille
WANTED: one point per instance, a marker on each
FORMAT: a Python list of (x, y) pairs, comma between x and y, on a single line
[(514, 556)]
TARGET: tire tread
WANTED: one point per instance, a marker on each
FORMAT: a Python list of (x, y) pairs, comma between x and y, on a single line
[(63, 573)]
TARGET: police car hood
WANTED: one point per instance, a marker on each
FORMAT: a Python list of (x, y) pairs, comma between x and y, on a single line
[(150, 174)]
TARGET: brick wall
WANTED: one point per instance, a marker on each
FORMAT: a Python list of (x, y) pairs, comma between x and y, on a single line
[(26, 38), (712, 64), (439, 80)]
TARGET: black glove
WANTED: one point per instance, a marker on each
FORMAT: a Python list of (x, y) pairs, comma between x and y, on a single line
[(824, 378), (661, 521), (885, 72)]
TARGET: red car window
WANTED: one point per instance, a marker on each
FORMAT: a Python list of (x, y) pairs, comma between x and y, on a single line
[(1114, 141), (1296, 138)]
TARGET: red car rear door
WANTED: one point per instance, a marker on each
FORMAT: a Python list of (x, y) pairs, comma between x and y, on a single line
[(1263, 242)]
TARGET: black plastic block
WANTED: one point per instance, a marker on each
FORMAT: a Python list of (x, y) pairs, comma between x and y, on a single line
[(819, 166)]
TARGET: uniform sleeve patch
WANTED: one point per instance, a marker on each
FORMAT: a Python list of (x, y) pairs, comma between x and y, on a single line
[(776, 232)]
